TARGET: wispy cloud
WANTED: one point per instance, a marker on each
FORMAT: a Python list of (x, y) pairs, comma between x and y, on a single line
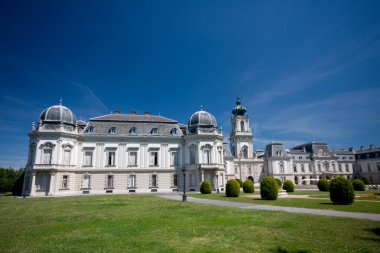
[(336, 117), (91, 96), (330, 64)]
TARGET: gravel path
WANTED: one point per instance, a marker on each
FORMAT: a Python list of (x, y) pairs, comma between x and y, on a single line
[(365, 216)]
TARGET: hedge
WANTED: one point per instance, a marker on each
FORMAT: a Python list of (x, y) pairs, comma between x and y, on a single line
[(269, 188), (232, 188), (248, 186), (206, 187), (342, 191)]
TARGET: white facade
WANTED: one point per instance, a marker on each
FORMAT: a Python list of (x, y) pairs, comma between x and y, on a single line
[(124, 153)]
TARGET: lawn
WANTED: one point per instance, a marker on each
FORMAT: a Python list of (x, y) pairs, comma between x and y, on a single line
[(316, 200), (146, 223)]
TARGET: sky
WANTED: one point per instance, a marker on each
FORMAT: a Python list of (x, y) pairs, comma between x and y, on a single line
[(305, 70)]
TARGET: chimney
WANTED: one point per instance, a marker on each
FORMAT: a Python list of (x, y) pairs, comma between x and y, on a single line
[(351, 149), (133, 112), (116, 111), (371, 146), (147, 113), (361, 148)]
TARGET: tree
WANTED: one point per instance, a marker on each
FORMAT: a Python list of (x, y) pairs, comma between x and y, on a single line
[(342, 191), (269, 188), (248, 186), (8, 177), (206, 187), (288, 186), (365, 180), (232, 188)]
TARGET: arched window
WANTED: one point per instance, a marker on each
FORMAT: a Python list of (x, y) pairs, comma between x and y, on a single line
[(244, 152), (173, 131), (242, 126), (282, 169), (132, 130)]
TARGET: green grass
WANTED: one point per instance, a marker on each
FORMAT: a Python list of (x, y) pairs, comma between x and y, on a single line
[(144, 223), (317, 200)]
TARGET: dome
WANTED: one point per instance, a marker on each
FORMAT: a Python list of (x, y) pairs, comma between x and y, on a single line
[(201, 119), (239, 109), (58, 114)]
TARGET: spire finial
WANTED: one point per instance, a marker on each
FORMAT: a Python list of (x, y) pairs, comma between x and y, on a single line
[(201, 107), (60, 101)]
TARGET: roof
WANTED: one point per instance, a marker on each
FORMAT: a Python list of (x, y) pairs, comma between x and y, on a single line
[(133, 118), (227, 150)]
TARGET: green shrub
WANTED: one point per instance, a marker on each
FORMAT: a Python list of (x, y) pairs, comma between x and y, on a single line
[(323, 185), (240, 182), (206, 187), (232, 188), (358, 185), (288, 186), (248, 186), (279, 183), (269, 188), (341, 191), (365, 180)]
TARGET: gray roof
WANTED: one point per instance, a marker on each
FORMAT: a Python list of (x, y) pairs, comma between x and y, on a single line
[(316, 148), (344, 152), (227, 150), (58, 114), (133, 118), (275, 149), (132, 125)]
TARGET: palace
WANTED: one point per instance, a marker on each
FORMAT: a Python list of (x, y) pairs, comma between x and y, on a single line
[(124, 153)]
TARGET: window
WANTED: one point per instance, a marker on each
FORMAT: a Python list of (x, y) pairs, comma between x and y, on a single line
[(132, 158), (175, 180), (112, 130), (173, 131), (65, 182), (244, 152), (154, 131), (242, 126), (153, 182), (47, 156), (88, 158), (369, 167), (319, 167), (303, 168), (66, 157), (282, 170), (111, 158), (250, 169), (220, 157), (132, 181), (42, 182), (340, 167), (295, 168), (90, 129), (207, 156), (236, 171), (153, 158), (132, 130), (310, 168), (192, 156), (109, 183), (86, 182), (192, 180), (378, 166), (300, 157), (174, 158), (347, 168)]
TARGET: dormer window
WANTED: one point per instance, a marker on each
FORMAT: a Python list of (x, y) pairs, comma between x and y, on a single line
[(173, 131), (112, 130), (154, 131), (132, 130), (90, 129)]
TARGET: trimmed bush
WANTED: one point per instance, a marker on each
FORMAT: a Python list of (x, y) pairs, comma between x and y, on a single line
[(279, 183), (269, 188), (342, 191), (240, 182), (206, 187), (232, 188), (365, 180), (288, 186), (248, 186), (323, 185), (358, 185)]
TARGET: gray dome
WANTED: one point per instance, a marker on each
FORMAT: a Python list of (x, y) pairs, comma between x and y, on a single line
[(201, 119), (58, 114)]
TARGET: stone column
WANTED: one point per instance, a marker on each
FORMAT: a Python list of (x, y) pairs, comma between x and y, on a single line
[(33, 186), (52, 184)]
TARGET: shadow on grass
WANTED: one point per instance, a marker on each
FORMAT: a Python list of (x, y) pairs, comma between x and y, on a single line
[(376, 231), (282, 250)]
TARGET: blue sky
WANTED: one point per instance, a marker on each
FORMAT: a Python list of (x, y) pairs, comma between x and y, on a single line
[(305, 70)]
